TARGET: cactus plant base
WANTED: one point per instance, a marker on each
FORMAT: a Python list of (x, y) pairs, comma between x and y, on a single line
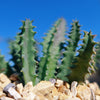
[(48, 90)]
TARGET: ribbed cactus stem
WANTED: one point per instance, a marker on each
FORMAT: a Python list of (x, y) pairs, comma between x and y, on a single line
[(59, 37), (69, 52), (28, 52), (51, 46), (24, 52), (83, 63), (16, 57)]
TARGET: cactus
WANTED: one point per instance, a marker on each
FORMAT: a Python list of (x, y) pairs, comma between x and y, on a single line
[(16, 58), (96, 75), (23, 52), (3, 64), (69, 53), (15, 51), (72, 67), (60, 59), (51, 46), (83, 63)]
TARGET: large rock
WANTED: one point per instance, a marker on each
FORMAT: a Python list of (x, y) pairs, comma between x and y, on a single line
[(83, 92), (3, 81), (44, 87)]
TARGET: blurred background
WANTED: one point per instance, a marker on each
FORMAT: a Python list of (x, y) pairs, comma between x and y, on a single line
[(45, 13)]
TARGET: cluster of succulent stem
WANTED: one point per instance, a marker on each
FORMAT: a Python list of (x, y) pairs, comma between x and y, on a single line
[(59, 60)]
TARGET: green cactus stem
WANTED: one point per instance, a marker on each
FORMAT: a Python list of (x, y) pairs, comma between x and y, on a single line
[(15, 52), (70, 51), (51, 46), (24, 52), (16, 57), (82, 63)]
